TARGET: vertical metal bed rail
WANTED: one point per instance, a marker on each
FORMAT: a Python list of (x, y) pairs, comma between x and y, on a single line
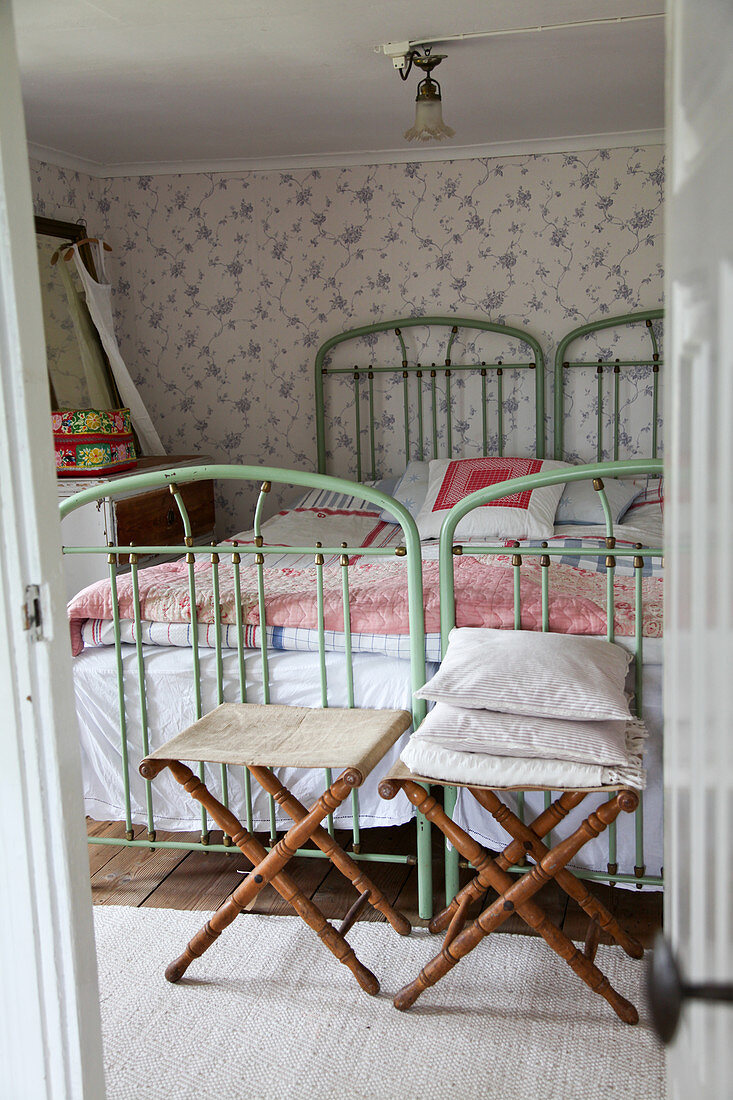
[(655, 385), (260, 567), (344, 563), (227, 840), (448, 550), (357, 423), (241, 669), (610, 636), (639, 865), (195, 655), (112, 562), (484, 414), (420, 421), (133, 559)]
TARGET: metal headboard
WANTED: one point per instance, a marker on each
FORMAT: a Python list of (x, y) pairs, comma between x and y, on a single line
[(425, 379), (562, 363)]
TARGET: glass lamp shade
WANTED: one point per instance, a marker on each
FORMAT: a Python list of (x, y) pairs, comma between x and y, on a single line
[(429, 123)]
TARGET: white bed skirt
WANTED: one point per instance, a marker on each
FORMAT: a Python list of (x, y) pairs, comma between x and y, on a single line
[(294, 679)]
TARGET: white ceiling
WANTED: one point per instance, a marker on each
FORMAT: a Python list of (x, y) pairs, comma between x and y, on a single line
[(118, 86)]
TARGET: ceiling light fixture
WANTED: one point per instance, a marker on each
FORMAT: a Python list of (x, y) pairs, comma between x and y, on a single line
[(429, 125)]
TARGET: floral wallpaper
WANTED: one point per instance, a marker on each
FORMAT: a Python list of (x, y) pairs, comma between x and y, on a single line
[(226, 285)]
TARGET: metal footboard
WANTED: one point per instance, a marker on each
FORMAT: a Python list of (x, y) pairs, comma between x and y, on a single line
[(637, 555), (225, 561)]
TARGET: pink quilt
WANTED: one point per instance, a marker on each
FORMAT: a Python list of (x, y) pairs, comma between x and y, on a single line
[(484, 590)]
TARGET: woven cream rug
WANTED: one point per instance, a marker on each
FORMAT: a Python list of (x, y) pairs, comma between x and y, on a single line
[(267, 1012)]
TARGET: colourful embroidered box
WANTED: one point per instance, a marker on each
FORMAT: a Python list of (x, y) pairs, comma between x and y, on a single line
[(89, 442)]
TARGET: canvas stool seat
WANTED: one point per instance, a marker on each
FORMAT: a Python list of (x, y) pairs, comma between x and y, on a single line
[(262, 737), (516, 891)]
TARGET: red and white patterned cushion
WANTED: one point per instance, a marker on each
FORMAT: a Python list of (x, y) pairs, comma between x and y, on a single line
[(525, 515)]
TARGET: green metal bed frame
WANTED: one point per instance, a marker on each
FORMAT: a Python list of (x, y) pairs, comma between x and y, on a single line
[(421, 442)]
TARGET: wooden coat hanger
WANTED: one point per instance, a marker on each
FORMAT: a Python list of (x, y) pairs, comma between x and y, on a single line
[(70, 252)]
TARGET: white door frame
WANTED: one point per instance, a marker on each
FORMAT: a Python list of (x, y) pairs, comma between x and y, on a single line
[(50, 1044), (698, 641)]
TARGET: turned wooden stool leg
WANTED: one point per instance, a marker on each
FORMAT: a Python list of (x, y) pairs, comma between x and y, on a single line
[(517, 897), (542, 825), (267, 868), (340, 859), (527, 839)]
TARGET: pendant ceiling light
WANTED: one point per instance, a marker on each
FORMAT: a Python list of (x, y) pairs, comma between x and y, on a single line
[(429, 125)]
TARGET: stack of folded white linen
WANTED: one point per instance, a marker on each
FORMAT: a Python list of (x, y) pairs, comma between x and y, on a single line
[(526, 709)]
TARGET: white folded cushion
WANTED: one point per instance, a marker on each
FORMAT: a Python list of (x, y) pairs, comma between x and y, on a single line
[(429, 758), (525, 672), (580, 503), (487, 731), (526, 515)]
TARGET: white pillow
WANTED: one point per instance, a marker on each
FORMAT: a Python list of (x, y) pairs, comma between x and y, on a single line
[(526, 672), (488, 731), (581, 504), (527, 515), (327, 498), (410, 489)]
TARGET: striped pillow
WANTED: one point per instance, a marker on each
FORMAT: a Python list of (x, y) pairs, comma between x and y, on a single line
[(487, 731), (525, 672)]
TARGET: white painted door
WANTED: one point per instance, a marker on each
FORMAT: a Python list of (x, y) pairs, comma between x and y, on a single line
[(699, 582), (50, 1041)]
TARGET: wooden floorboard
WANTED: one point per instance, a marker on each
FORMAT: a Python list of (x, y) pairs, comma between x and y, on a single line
[(134, 873), (336, 894), (101, 854), (176, 879), (201, 881)]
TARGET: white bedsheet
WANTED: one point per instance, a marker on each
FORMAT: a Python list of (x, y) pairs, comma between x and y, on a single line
[(294, 677)]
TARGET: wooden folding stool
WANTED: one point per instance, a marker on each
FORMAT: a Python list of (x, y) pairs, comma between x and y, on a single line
[(263, 737), (516, 892)]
